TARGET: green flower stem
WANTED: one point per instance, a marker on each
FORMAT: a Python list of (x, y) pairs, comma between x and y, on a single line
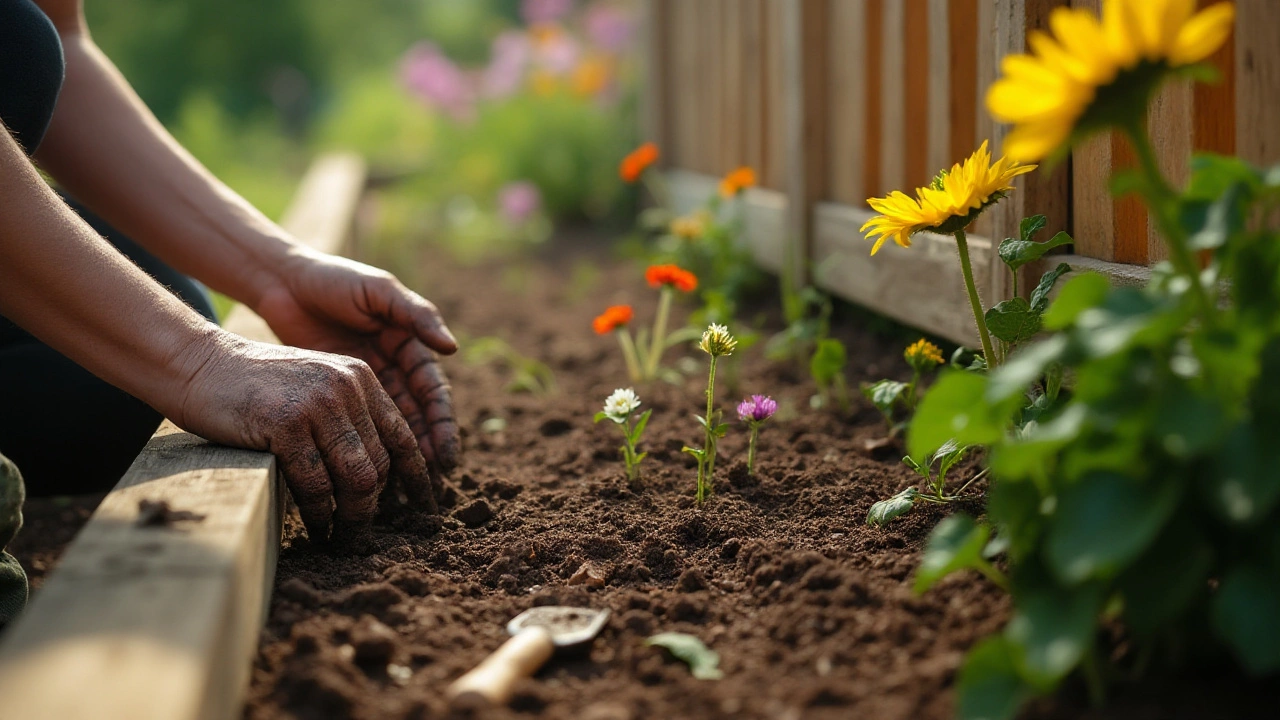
[(994, 575), (659, 333), (707, 463), (633, 467), (751, 449), (966, 268), (655, 182), (1162, 202), (629, 354)]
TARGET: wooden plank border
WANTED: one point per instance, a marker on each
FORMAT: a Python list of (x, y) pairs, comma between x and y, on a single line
[(162, 623)]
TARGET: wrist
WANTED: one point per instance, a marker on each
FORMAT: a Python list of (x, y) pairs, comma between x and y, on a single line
[(189, 366)]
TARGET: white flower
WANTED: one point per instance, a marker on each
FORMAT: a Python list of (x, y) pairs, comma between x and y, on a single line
[(717, 341), (621, 404)]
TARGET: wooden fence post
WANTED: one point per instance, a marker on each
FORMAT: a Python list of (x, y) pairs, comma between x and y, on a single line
[(1040, 192), (804, 40), (654, 122)]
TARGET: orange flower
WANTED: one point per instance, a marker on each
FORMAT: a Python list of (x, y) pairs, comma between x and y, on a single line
[(639, 160), (683, 280), (612, 318), (737, 181)]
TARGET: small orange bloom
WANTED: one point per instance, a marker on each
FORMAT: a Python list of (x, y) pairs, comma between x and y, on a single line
[(612, 318), (737, 181), (637, 161), (683, 280)]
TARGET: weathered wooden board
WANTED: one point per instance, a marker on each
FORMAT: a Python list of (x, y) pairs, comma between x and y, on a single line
[(162, 622)]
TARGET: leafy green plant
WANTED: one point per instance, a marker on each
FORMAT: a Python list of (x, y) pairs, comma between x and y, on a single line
[(619, 408), (1147, 494), (703, 662), (827, 369), (527, 375), (717, 343), (935, 483), (890, 395), (1017, 320)]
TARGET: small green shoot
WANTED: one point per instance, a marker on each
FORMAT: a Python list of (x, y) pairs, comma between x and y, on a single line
[(703, 662)]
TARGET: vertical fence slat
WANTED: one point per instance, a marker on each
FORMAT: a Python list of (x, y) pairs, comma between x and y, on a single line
[(916, 103), (873, 82), (683, 70), (845, 101), (753, 91), (1169, 119), (657, 105), (940, 115), (1257, 77), (731, 100), (774, 11), (893, 97), (805, 57), (964, 91)]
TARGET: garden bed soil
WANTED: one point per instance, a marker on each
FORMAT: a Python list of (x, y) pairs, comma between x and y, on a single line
[(811, 611)]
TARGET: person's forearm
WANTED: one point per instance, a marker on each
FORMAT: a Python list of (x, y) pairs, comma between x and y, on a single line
[(67, 286), (110, 153)]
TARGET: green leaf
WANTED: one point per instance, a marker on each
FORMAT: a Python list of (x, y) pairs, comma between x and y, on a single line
[(988, 686), (1025, 368), (1103, 521), (1040, 296), (1051, 630), (602, 416), (1080, 293), (696, 452), (1160, 585), (1013, 321), (684, 336), (1241, 484), (955, 408), (884, 394), (828, 361), (921, 470), (1210, 222), (703, 662), (885, 510), (947, 456), (1213, 175), (955, 544), (1244, 614), (1016, 253), (1031, 225), (638, 429), (1186, 423)]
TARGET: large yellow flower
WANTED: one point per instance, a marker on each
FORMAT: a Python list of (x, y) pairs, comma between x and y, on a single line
[(953, 201), (1087, 73)]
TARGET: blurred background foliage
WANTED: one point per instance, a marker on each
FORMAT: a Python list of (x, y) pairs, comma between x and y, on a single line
[(495, 118)]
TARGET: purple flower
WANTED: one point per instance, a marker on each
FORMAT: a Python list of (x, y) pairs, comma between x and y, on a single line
[(610, 27), (519, 200), (544, 11), (757, 409), (438, 81), (509, 58)]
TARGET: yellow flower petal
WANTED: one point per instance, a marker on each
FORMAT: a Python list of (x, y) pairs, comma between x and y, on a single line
[(1203, 34)]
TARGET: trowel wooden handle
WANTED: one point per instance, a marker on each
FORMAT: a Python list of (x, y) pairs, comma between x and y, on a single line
[(492, 680)]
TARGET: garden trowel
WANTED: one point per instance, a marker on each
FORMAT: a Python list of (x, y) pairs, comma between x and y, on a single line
[(535, 635)]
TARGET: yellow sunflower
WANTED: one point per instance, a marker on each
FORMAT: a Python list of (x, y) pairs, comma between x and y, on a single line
[(953, 201), (1089, 73)]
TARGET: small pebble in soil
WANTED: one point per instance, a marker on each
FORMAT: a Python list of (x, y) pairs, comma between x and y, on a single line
[(374, 642), (607, 711), (475, 513), (588, 575), (399, 673)]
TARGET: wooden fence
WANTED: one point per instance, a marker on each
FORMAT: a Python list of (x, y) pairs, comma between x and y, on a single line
[(835, 101)]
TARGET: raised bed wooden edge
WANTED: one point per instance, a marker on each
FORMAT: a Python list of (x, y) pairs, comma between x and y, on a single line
[(152, 622)]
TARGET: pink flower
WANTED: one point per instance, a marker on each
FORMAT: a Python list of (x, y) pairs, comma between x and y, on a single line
[(544, 11), (556, 51), (610, 28), (436, 80), (509, 58), (519, 200), (757, 409)]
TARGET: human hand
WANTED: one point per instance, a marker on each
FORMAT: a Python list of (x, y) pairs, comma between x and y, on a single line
[(344, 307), (336, 433)]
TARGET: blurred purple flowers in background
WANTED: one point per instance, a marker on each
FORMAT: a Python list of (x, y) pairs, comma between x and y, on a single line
[(609, 27), (757, 409), (519, 201), (435, 79), (507, 64), (544, 11)]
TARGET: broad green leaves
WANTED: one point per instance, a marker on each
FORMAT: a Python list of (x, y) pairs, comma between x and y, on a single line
[(828, 361), (956, 408), (955, 544), (703, 662), (1013, 321), (885, 510), (989, 687), (1245, 615)]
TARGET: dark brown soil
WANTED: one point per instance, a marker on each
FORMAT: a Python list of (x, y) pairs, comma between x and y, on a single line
[(810, 610)]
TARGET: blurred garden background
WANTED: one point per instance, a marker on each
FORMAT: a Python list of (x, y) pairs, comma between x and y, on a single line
[(492, 120)]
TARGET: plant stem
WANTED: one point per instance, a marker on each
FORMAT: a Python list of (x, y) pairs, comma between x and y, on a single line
[(707, 464), (971, 481), (751, 449), (629, 354), (659, 338), (1161, 198), (1093, 678), (966, 269), (991, 573)]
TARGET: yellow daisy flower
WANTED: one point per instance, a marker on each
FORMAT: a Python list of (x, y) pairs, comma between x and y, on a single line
[(1091, 73), (923, 354), (953, 201), (690, 227)]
